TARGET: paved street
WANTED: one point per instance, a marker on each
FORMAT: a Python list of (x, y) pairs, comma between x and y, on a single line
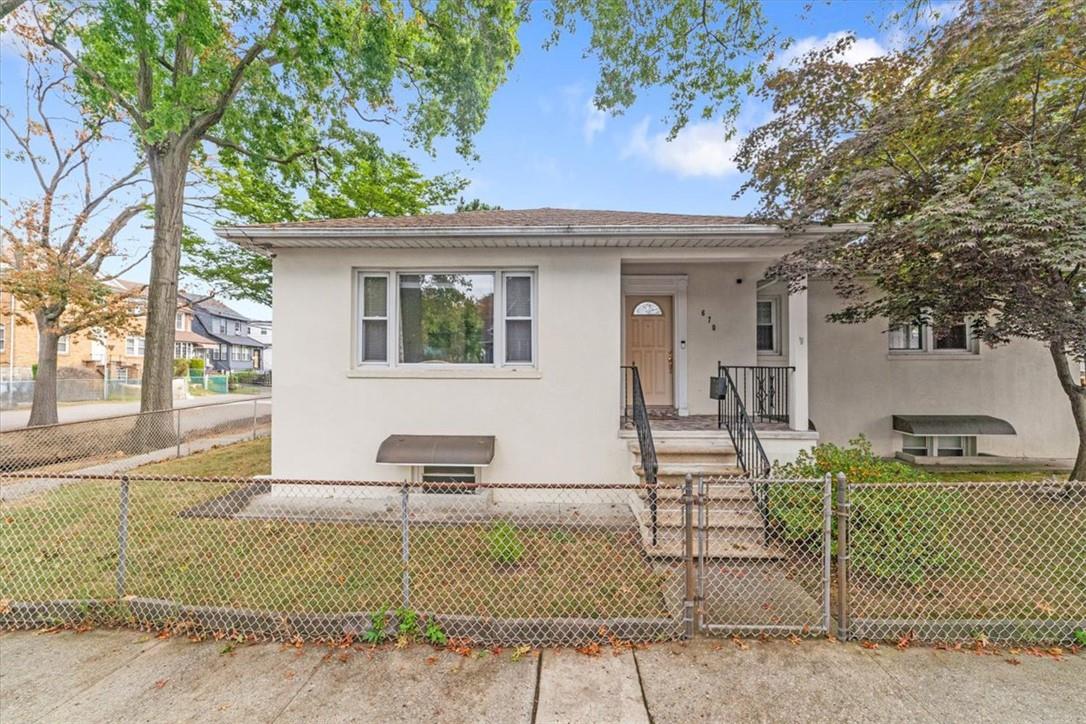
[(111, 676), (209, 417)]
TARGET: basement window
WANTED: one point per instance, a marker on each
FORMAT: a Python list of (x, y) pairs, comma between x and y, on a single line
[(433, 478)]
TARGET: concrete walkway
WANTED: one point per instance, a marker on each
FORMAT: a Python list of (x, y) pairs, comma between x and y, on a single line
[(81, 412), (109, 676)]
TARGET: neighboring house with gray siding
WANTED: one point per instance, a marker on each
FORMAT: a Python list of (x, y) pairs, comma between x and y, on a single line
[(236, 350)]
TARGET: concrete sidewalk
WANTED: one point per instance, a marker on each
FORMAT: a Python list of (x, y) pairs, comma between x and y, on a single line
[(109, 676)]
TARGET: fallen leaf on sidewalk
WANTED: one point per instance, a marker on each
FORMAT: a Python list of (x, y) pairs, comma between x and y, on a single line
[(592, 649), (520, 651), (1014, 662), (160, 683), (869, 645)]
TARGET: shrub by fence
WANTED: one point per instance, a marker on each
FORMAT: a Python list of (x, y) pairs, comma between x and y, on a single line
[(546, 564)]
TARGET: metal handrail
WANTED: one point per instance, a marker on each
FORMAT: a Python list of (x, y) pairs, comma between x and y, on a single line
[(763, 389), (639, 413), (748, 447)]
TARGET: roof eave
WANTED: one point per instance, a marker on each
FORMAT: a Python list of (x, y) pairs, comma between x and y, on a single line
[(265, 238)]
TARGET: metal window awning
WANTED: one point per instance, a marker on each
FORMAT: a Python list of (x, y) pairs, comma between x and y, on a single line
[(474, 450), (952, 425)]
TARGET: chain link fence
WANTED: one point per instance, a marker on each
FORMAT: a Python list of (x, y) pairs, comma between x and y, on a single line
[(287, 559), (71, 446), (992, 561), (548, 563)]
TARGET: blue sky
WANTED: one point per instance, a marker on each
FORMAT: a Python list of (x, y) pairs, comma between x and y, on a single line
[(544, 143)]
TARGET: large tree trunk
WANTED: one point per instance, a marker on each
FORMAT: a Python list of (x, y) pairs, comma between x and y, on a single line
[(1076, 393), (169, 170), (44, 408)]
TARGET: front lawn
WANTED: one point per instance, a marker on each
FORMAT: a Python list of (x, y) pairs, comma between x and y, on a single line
[(63, 545), (239, 460)]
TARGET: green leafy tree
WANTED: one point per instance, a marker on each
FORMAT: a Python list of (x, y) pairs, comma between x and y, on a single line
[(966, 154), (367, 181), (475, 205), (282, 83)]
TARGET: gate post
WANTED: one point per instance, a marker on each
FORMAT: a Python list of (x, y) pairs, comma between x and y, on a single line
[(827, 551), (122, 539), (842, 558), (405, 556), (691, 591)]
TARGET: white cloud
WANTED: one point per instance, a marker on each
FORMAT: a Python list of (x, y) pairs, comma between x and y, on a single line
[(595, 121), (862, 49), (700, 149)]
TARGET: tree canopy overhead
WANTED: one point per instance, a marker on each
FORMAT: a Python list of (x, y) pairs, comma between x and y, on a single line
[(282, 90), (966, 153)]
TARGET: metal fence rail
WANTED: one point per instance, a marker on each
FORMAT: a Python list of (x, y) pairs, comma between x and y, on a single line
[(546, 563), (73, 445)]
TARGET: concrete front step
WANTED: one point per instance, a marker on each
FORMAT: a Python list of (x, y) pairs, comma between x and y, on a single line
[(674, 493), (732, 551), (715, 519), (678, 471)]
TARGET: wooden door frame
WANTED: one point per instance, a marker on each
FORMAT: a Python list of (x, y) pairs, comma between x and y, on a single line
[(663, 285)]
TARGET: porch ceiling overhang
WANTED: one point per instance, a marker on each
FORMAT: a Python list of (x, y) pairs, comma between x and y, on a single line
[(267, 240), (474, 450), (952, 425)]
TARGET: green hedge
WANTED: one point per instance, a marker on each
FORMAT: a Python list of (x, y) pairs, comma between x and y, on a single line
[(896, 533)]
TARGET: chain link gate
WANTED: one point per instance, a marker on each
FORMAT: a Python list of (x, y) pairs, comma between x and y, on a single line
[(759, 554)]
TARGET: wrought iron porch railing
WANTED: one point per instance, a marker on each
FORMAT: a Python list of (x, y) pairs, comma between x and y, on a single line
[(763, 389), (749, 452), (638, 414)]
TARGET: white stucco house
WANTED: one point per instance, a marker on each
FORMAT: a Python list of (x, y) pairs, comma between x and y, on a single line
[(513, 327)]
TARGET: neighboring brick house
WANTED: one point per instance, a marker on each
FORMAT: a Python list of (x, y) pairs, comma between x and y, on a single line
[(89, 349), (235, 349), (92, 349)]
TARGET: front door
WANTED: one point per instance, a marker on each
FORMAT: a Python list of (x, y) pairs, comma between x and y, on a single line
[(649, 346)]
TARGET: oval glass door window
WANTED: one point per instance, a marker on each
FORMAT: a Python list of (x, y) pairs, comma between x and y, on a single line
[(648, 309)]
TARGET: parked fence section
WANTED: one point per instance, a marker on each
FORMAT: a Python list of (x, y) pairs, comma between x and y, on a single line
[(547, 564), (74, 445)]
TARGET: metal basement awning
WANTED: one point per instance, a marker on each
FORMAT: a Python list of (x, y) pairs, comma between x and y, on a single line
[(475, 450), (952, 425)]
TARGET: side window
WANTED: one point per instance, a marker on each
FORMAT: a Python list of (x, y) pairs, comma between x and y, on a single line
[(767, 334)]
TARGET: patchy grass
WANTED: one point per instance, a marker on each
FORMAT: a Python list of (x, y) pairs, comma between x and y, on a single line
[(239, 460), (63, 545)]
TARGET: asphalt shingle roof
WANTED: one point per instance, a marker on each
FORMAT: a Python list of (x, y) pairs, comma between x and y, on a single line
[(545, 217)]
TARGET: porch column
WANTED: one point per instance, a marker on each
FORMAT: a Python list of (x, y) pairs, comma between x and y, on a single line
[(798, 410)]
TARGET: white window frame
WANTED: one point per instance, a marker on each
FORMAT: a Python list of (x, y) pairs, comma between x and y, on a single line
[(64, 344), (775, 311), (179, 322), (136, 344), (927, 341), (222, 325), (392, 287), (388, 319), (931, 444)]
